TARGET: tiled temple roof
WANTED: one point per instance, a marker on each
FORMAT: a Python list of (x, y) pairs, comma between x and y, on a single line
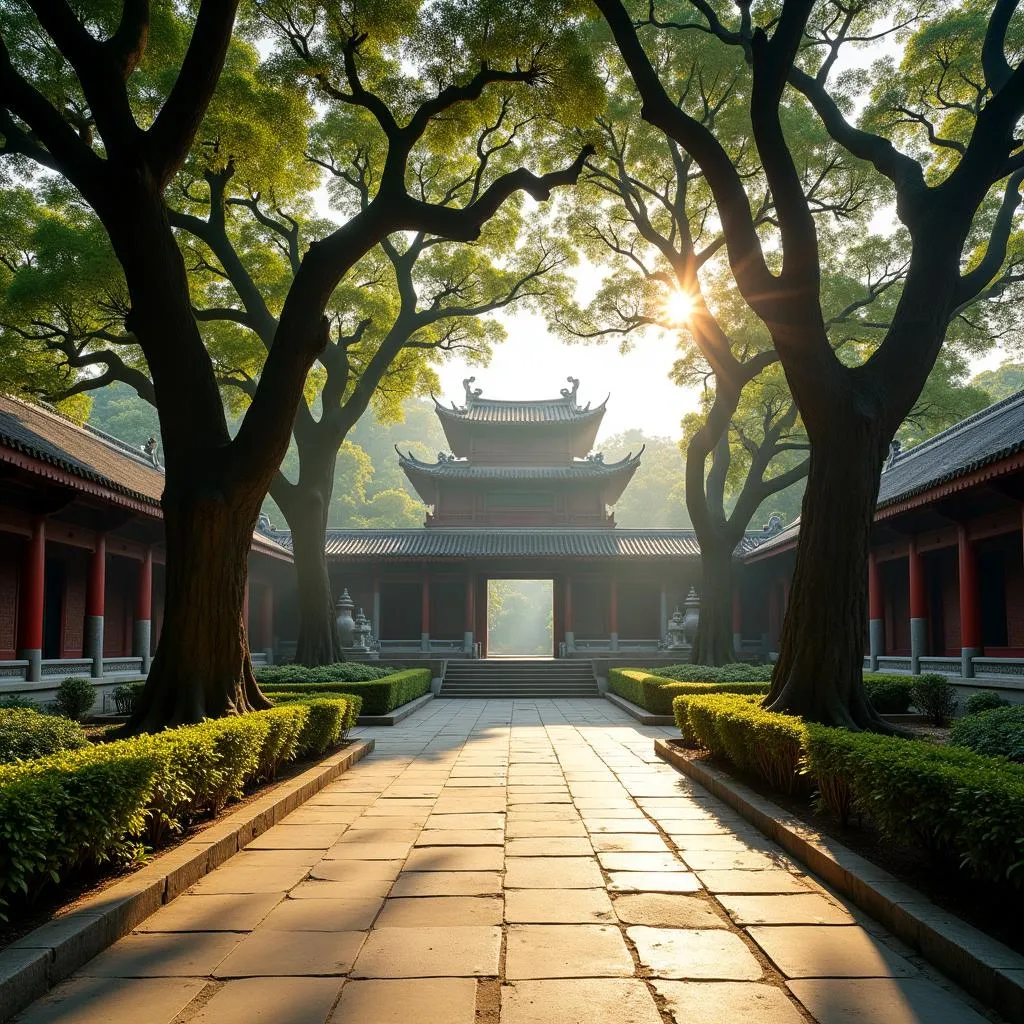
[(461, 469), (44, 435), (514, 412), (509, 543), (986, 437)]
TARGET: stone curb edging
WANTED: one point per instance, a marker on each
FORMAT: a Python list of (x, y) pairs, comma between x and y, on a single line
[(642, 715), (396, 716), (986, 968), (47, 955)]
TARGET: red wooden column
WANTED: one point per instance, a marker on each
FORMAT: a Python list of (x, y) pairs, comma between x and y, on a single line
[(613, 614), (970, 606), (470, 624), (30, 605), (567, 613), (375, 621), (267, 620), (876, 613), (95, 594), (425, 609), (918, 607), (142, 631)]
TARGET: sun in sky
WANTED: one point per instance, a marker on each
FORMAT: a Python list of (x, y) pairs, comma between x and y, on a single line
[(679, 306)]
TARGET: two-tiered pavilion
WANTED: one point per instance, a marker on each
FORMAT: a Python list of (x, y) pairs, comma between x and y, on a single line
[(520, 495)]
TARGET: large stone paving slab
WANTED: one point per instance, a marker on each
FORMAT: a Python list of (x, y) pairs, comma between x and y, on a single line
[(521, 860)]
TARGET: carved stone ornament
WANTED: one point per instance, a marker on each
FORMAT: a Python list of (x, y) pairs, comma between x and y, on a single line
[(346, 624), (471, 393), (575, 382)]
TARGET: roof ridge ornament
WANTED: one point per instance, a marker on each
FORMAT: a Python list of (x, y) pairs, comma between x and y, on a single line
[(894, 453), (571, 395), (472, 394)]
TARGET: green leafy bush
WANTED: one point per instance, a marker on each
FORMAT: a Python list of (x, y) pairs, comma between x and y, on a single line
[(68, 810), (998, 732), (353, 703), (76, 807), (16, 700), (889, 694), (740, 672), (75, 696), (286, 724), (755, 740), (934, 696), (340, 672), (26, 733), (656, 693), (951, 801), (379, 696), (986, 700), (126, 695)]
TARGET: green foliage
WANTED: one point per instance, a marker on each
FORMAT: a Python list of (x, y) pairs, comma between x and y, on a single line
[(69, 810), (1007, 380), (286, 726), (126, 695), (16, 700), (934, 696), (950, 801), (353, 702), (75, 696), (735, 673), (889, 694), (755, 740), (73, 808), (26, 733), (656, 693), (379, 696), (340, 672), (986, 700), (998, 732), (656, 496)]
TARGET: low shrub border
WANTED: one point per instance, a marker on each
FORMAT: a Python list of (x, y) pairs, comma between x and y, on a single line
[(655, 693), (951, 801), (380, 696), (46, 956), (75, 808)]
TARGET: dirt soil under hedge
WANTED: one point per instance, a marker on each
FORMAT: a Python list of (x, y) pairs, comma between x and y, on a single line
[(57, 900), (995, 910)]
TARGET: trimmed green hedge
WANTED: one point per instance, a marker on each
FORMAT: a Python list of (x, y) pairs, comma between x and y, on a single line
[(379, 697), (655, 693), (889, 694), (26, 732), (339, 672), (950, 801), (353, 704), (99, 803), (998, 732), (739, 672)]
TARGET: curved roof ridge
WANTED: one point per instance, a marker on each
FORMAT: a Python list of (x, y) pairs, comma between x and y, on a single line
[(943, 435)]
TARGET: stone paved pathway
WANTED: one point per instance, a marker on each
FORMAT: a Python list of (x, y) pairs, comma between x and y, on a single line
[(527, 862)]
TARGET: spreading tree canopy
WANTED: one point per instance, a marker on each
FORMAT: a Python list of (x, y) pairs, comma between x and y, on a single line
[(939, 134)]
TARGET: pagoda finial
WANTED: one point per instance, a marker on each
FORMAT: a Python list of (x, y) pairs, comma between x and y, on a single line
[(471, 393), (566, 393)]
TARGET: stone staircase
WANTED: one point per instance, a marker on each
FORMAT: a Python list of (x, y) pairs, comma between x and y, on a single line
[(505, 678)]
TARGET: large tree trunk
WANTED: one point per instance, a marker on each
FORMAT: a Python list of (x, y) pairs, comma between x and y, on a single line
[(306, 512), (202, 667), (819, 674), (713, 645)]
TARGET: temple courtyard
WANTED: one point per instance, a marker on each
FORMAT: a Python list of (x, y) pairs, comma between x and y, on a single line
[(521, 862)]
